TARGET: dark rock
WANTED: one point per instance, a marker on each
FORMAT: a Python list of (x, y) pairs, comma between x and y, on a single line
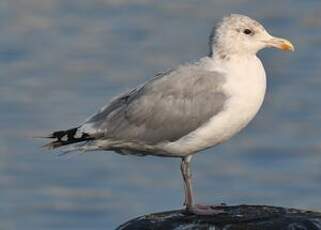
[(241, 217)]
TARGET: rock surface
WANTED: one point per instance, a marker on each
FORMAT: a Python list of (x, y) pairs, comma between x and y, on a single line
[(241, 217)]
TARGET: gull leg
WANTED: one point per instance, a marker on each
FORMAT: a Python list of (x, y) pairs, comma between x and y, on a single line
[(188, 203), (187, 177)]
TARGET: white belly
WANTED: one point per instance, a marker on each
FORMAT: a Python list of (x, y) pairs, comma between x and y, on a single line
[(246, 89)]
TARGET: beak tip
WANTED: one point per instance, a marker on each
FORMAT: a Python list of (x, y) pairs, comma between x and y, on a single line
[(287, 46), (282, 44)]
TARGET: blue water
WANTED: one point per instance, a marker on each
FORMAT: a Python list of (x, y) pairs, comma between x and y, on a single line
[(62, 60)]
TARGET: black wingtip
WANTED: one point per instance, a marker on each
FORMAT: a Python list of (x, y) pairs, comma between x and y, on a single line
[(65, 137)]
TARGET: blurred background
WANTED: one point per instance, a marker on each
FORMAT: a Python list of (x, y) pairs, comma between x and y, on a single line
[(62, 60)]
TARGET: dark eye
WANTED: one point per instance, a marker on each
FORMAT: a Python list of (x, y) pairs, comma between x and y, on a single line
[(247, 31)]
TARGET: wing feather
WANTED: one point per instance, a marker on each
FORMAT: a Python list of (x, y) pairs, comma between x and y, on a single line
[(166, 108)]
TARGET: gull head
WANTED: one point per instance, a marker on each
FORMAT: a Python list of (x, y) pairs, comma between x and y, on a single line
[(239, 34)]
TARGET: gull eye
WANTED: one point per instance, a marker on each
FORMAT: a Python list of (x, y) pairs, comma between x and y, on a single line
[(247, 31)]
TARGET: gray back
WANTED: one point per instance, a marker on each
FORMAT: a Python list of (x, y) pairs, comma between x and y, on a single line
[(166, 108)]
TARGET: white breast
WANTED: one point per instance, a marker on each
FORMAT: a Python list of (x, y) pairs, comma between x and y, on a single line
[(245, 86)]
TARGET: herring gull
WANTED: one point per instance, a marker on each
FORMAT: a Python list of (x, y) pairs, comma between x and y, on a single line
[(188, 109)]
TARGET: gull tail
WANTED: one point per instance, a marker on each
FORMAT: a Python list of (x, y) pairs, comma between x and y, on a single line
[(66, 137)]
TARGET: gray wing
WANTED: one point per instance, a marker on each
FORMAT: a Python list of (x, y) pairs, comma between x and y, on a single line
[(166, 108)]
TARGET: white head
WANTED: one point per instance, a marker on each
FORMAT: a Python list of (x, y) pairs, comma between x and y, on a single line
[(239, 34)]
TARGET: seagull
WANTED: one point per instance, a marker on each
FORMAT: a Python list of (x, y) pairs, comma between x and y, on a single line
[(185, 110)]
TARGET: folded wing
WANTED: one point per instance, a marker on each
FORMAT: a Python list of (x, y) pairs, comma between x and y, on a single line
[(166, 108)]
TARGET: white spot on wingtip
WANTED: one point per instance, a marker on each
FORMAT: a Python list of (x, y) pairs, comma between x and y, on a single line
[(87, 128)]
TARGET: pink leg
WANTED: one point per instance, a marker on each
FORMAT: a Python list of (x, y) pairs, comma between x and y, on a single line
[(195, 209), (187, 177), (206, 210)]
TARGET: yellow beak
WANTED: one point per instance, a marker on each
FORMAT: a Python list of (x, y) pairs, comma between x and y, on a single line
[(280, 43)]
